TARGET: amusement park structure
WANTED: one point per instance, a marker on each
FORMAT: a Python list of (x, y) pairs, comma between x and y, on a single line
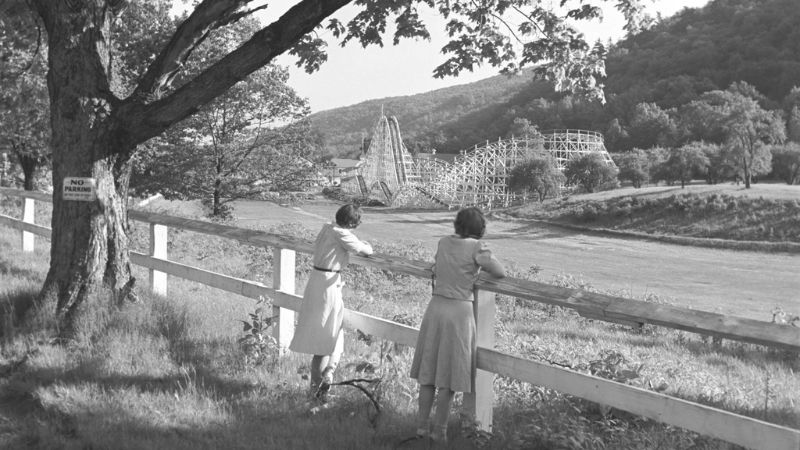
[(478, 177)]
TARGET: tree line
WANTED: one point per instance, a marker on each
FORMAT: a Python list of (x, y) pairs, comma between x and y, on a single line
[(723, 135), (651, 76)]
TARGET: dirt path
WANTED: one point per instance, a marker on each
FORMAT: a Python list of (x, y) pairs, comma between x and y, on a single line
[(746, 284)]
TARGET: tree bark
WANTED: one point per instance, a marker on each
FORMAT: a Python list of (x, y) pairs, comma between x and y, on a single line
[(89, 246)]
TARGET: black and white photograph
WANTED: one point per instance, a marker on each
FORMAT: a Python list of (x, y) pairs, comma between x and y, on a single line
[(400, 224)]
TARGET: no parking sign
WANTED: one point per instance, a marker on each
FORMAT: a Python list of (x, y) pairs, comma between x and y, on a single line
[(80, 189)]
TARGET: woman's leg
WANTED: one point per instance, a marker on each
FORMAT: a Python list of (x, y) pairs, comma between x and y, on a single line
[(332, 361), (316, 370), (443, 402), (426, 394)]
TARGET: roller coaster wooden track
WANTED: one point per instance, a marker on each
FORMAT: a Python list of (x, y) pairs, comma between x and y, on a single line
[(478, 177)]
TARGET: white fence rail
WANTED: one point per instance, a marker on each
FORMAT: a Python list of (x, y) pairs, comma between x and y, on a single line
[(724, 425)]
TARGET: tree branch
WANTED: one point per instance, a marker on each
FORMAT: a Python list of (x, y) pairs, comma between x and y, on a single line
[(144, 121), (45, 8), (206, 16)]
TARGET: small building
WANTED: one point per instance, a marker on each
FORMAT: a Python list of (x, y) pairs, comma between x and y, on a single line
[(339, 170), (345, 167)]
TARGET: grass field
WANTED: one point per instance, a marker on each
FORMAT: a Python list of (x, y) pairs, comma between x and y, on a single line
[(169, 373), (765, 212)]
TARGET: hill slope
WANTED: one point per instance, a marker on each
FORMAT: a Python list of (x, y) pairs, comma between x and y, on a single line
[(425, 119), (695, 51), (757, 41)]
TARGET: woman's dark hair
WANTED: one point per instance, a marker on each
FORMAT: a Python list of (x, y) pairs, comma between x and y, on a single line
[(348, 216), (470, 223)]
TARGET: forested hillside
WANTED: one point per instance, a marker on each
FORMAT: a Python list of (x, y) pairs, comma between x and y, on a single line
[(670, 65), (757, 41), (427, 119)]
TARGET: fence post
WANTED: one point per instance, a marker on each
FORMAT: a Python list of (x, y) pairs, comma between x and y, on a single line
[(158, 249), (28, 210), (478, 404), (283, 279)]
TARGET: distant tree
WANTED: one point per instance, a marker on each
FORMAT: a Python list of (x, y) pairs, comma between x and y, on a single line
[(227, 151), (793, 125), (696, 122), (786, 162), (650, 126), (658, 156), (675, 91), (536, 175), (747, 128), (634, 166), (748, 90), (616, 136), (719, 168), (219, 173), (590, 171), (792, 99), (684, 162), (24, 104), (522, 128)]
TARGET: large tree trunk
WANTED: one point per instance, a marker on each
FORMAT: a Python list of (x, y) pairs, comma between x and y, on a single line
[(89, 251)]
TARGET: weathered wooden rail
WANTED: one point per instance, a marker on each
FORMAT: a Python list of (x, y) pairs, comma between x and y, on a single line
[(731, 427)]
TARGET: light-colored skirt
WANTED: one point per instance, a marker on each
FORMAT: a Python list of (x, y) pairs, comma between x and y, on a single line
[(319, 323), (445, 353)]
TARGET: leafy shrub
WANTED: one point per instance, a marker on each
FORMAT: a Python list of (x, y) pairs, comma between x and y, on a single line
[(634, 166), (257, 343), (591, 172), (537, 175), (589, 213)]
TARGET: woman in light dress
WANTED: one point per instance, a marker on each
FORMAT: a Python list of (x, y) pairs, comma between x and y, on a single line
[(319, 323)]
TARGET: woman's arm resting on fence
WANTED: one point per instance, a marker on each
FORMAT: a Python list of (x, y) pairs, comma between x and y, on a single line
[(354, 244), (488, 262)]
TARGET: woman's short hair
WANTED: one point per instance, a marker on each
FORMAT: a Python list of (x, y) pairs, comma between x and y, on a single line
[(348, 216), (470, 223)]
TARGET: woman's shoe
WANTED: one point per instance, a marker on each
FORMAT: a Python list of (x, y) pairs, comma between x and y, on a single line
[(439, 434), (327, 376)]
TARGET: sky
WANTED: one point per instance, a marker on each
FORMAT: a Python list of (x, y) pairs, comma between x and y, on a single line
[(353, 74)]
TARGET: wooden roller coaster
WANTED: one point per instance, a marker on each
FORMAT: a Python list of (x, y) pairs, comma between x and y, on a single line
[(474, 178)]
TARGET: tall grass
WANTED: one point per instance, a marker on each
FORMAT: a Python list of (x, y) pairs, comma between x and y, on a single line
[(169, 372)]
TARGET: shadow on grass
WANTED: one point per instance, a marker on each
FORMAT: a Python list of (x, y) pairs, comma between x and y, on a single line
[(443, 221), (744, 352), (696, 345), (250, 416), (529, 233), (8, 268)]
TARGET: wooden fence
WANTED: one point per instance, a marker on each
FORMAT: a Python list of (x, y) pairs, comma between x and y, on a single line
[(727, 426)]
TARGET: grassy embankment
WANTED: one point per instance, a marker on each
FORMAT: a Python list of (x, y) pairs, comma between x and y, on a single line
[(764, 213), (169, 373)]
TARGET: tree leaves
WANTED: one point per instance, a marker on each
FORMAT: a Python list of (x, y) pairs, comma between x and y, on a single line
[(507, 34)]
